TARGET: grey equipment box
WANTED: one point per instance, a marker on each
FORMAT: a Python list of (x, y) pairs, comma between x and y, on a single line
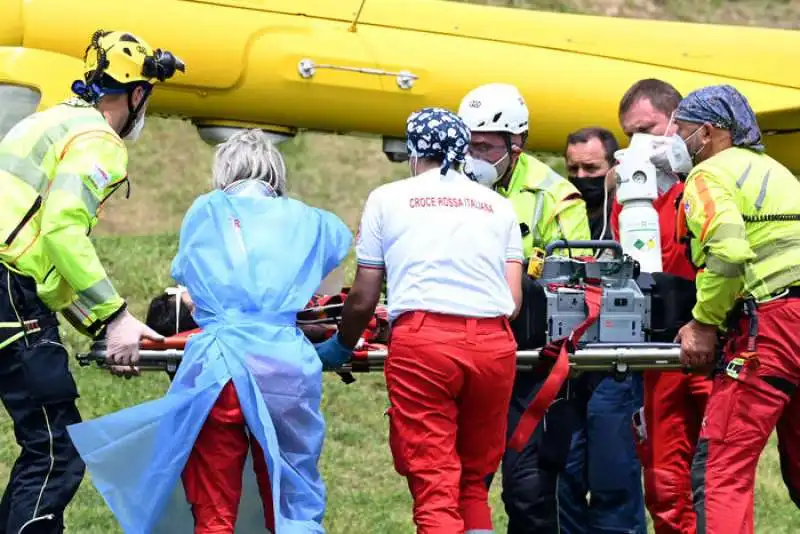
[(625, 310)]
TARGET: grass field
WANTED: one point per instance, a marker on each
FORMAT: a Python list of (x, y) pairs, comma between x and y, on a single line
[(137, 240)]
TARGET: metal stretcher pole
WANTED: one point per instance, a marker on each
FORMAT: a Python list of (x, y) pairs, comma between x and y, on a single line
[(592, 357)]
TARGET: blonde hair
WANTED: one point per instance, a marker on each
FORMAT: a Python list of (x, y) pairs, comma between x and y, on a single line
[(249, 155)]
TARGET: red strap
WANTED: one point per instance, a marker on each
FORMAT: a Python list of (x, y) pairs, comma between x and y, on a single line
[(593, 297), (535, 411), (178, 341)]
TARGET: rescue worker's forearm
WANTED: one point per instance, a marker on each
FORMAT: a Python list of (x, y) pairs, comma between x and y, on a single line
[(360, 304), (514, 276), (356, 314), (64, 235), (716, 295)]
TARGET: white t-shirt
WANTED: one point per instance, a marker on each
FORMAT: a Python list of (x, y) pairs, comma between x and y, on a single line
[(444, 242)]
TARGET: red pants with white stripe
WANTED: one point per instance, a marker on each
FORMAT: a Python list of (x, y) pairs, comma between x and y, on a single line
[(449, 381), (212, 477), (674, 404), (742, 413)]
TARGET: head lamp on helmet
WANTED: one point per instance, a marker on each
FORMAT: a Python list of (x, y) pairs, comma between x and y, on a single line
[(115, 59), (162, 65)]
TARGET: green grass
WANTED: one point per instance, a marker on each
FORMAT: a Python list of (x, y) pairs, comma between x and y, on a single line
[(137, 240)]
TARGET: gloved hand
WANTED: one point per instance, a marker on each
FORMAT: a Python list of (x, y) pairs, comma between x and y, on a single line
[(122, 342), (332, 353)]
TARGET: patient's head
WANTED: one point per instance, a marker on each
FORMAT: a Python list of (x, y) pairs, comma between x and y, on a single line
[(168, 318), (248, 161)]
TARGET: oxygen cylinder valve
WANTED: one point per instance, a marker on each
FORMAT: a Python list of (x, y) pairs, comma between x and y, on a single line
[(637, 188)]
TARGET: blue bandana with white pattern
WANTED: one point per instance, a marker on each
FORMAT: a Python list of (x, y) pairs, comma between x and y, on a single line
[(436, 132), (723, 106)]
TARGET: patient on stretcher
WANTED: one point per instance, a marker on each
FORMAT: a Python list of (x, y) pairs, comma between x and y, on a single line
[(169, 316)]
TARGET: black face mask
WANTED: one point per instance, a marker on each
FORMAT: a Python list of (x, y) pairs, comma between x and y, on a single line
[(591, 188)]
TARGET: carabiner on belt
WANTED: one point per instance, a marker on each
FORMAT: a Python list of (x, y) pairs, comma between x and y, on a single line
[(751, 310)]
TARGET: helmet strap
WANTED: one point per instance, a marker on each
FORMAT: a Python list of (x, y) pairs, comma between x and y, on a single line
[(509, 147), (133, 112), (510, 169)]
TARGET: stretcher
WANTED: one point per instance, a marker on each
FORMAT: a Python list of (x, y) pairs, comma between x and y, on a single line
[(617, 354), (604, 357)]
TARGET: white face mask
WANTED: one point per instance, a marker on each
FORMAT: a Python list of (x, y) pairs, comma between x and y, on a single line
[(136, 131), (672, 155), (481, 171), (678, 155)]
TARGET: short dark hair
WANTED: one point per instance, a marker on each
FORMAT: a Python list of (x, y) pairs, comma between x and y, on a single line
[(662, 95), (584, 135), (438, 159), (161, 316)]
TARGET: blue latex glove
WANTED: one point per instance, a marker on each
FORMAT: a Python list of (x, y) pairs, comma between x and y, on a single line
[(332, 353)]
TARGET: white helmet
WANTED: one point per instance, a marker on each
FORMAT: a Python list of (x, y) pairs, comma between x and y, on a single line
[(495, 107)]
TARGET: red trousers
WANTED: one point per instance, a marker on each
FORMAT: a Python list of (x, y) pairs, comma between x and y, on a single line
[(742, 413), (674, 404), (212, 477), (449, 381)]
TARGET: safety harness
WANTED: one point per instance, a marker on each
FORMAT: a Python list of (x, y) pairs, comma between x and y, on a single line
[(747, 360), (558, 352)]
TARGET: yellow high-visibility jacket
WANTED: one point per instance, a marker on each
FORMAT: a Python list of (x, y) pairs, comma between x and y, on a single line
[(725, 202), (56, 169), (549, 206)]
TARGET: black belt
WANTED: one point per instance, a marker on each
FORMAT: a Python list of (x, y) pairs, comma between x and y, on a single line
[(12, 331), (792, 292), (29, 324)]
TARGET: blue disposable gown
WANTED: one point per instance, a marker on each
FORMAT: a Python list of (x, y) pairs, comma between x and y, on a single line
[(250, 264)]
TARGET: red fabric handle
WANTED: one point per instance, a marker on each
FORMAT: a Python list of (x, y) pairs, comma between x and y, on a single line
[(535, 411), (177, 341)]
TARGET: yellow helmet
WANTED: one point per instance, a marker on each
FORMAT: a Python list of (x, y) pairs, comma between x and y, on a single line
[(115, 61)]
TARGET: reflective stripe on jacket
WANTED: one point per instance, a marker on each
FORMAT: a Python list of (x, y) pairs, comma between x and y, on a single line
[(56, 169), (724, 199)]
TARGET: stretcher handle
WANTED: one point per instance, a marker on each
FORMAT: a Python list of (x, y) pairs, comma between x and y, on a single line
[(177, 342), (594, 244)]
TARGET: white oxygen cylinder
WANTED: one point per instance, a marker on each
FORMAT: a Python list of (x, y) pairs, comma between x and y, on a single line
[(637, 188)]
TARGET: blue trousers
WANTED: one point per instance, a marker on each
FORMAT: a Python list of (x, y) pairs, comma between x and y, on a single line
[(600, 490)]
